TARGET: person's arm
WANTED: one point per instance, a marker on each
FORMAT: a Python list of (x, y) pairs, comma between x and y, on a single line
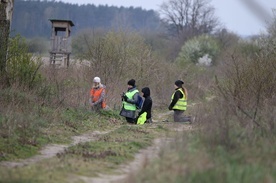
[(176, 97), (90, 97), (101, 97), (134, 100)]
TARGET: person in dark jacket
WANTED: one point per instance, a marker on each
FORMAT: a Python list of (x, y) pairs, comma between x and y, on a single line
[(129, 100), (179, 102), (144, 116)]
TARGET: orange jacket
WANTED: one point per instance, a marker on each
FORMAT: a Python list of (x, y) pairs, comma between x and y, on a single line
[(95, 95)]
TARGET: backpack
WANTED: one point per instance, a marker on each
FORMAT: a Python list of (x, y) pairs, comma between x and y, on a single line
[(139, 103)]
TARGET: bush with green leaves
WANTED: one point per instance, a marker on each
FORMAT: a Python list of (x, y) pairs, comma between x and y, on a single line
[(199, 50), (22, 67)]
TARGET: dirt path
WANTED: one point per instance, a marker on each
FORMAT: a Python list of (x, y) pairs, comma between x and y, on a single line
[(53, 149), (141, 158)]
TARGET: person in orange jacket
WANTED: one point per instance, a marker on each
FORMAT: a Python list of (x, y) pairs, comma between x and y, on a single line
[(97, 95)]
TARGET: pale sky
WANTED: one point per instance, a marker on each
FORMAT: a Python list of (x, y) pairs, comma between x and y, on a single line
[(232, 13)]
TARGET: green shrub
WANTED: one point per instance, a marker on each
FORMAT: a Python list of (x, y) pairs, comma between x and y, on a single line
[(22, 68), (199, 50)]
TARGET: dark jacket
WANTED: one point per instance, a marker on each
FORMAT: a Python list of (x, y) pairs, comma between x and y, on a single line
[(176, 97), (147, 104)]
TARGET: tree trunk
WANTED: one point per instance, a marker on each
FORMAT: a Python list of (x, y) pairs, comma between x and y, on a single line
[(6, 7)]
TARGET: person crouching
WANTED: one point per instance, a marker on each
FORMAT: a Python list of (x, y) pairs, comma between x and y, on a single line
[(144, 116), (97, 95)]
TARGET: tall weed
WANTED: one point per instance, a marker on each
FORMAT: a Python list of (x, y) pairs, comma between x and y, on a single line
[(117, 57), (248, 84), (22, 68)]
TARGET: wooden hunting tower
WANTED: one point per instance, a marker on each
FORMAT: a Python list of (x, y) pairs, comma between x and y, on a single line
[(60, 42)]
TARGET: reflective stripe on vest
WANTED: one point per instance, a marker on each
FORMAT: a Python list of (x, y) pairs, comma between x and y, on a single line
[(181, 104), (129, 106), (96, 94)]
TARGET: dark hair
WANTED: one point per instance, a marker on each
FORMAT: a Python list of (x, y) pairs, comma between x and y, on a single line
[(179, 83), (131, 82)]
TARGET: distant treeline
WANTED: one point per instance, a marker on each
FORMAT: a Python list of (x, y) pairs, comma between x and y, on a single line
[(31, 17)]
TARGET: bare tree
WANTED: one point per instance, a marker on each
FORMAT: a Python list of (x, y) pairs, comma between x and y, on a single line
[(188, 18), (6, 8)]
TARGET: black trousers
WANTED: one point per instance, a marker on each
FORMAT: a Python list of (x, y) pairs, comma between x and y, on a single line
[(130, 120)]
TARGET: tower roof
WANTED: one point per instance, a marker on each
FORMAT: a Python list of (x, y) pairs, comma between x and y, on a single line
[(60, 20)]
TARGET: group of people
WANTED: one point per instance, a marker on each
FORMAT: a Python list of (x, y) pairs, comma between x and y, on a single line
[(130, 99)]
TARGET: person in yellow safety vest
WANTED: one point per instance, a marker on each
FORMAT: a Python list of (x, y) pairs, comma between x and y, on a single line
[(97, 95), (179, 102), (129, 100), (144, 116)]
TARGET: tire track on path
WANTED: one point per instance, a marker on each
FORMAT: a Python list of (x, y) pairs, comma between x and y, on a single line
[(142, 158), (52, 150)]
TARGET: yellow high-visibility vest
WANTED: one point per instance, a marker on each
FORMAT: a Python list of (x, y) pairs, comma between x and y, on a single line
[(129, 106), (181, 104)]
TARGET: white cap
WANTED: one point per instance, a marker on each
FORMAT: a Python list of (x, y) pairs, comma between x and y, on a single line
[(96, 80)]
